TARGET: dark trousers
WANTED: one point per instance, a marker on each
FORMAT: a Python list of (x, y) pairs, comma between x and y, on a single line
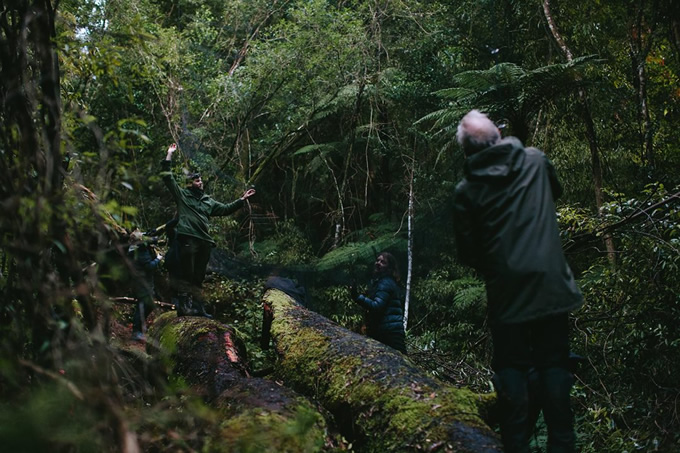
[(194, 255), (540, 347), (143, 307), (395, 340)]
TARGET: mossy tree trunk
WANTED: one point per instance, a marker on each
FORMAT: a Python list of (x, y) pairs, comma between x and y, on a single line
[(255, 415), (380, 400)]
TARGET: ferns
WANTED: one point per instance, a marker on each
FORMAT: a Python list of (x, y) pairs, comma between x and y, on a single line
[(506, 91)]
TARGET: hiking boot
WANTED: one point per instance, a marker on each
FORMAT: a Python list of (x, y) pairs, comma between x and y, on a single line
[(200, 309), (138, 336), (185, 306)]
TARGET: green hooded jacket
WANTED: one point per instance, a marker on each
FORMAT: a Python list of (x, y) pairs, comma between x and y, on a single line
[(194, 207), (506, 228)]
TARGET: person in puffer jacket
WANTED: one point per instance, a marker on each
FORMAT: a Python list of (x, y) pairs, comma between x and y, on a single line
[(383, 303)]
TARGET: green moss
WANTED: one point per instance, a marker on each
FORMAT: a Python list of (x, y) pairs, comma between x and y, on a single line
[(256, 417), (258, 430), (303, 348), (168, 332), (342, 385), (378, 389)]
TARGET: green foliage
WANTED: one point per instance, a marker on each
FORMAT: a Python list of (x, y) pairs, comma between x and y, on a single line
[(52, 419), (238, 304), (318, 103), (335, 303), (447, 312), (360, 254), (627, 330), (507, 92), (287, 246)]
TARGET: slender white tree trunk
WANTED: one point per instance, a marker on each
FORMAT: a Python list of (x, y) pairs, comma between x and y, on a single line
[(409, 247)]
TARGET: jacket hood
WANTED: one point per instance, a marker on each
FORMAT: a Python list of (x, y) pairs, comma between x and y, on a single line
[(496, 162)]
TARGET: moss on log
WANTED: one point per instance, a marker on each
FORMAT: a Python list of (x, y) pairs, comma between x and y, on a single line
[(205, 354), (257, 415), (266, 417), (381, 402)]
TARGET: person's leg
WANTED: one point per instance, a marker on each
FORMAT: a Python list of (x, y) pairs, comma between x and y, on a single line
[(172, 265), (187, 258), (201, 258), (137, 320), (551, 353), (148, 308), (534, 401), (202, 250), (186, 267), (511, 362), (143, 306)]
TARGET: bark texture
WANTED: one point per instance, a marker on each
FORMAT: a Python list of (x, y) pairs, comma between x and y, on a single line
[(381, 402), (586, 116), (258, 415)]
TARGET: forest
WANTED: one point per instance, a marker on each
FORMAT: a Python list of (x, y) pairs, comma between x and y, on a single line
[(342, 115)]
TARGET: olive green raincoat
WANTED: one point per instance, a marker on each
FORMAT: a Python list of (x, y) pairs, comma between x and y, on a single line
[(506, 228), (195, 207)]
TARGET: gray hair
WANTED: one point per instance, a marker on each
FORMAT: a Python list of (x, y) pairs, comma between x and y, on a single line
[(476, 132)]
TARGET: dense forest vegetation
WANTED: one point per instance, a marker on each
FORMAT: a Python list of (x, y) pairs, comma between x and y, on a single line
[(342, 115)]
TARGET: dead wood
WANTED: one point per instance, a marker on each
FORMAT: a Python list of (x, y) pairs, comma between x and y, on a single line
[(256, 414), (381, 401), (205, 353)]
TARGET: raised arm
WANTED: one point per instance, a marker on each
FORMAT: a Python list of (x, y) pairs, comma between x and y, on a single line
[(171, 149), (221, 209), (168, 179)]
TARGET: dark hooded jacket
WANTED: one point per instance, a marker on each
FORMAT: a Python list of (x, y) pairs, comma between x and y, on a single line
[(385, 313), (145, 263), (506, 228), (194, 207)]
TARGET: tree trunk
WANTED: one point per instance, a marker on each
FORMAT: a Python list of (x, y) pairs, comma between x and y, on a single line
[(257, 414), (596, 165), (409, 270), (380, 400), (641, 40)]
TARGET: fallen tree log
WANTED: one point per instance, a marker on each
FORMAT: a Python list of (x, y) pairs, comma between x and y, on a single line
[(203, 353), (381, 402), (256, 414)]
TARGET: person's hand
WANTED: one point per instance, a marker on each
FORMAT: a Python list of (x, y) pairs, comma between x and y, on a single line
[(247, 194), (171, 149), (160, 257)]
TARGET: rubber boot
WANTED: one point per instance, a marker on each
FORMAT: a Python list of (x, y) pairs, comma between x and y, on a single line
[(513, 404), (556, 386)]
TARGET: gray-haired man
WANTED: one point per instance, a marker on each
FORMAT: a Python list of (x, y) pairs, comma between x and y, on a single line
[(506, 228)]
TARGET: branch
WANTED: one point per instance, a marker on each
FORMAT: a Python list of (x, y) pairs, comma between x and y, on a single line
[(581, 239), (555, 32), (55, 376)]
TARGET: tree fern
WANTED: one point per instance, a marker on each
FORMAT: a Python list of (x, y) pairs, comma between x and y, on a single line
[(506, 91), (471, 294)]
